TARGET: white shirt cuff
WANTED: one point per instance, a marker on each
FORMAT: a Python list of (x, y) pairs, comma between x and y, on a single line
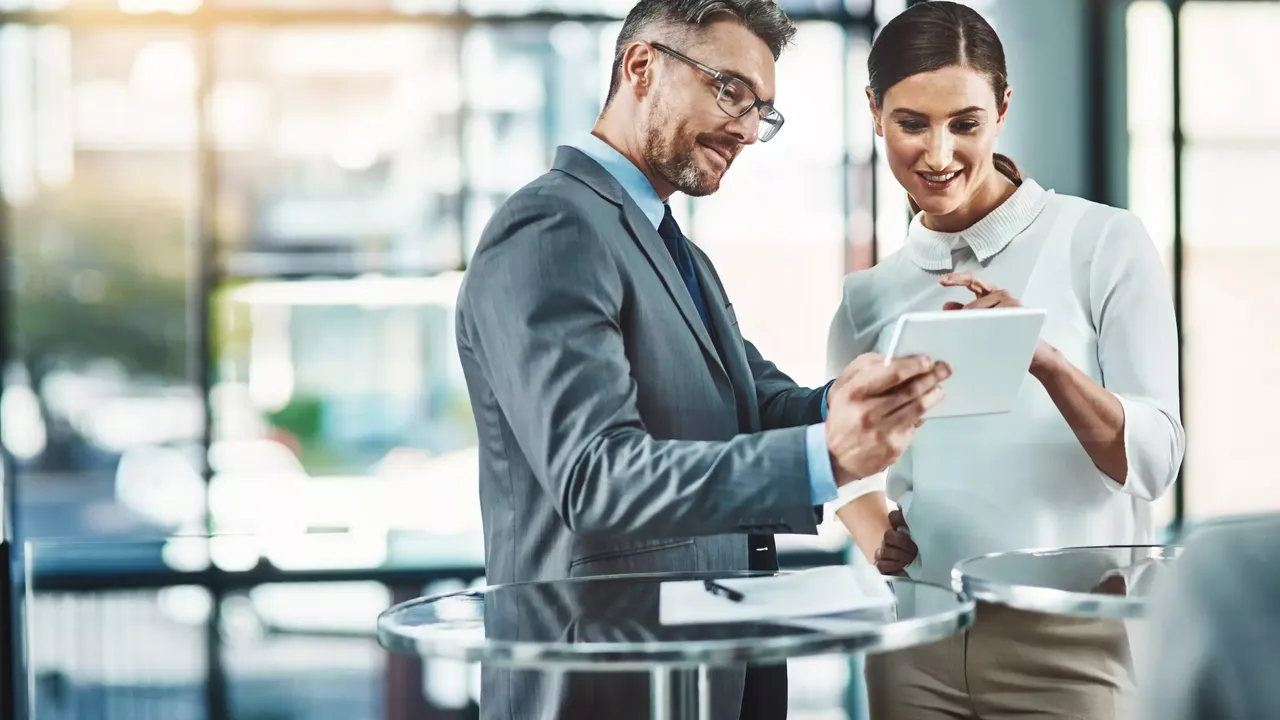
[(1152, 450), (849, 492)]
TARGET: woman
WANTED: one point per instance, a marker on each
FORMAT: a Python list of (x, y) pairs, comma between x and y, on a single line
[(1095, 436)]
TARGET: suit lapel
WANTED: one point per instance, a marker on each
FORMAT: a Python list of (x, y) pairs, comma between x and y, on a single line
[(577, 164), (656, 250), (732, 353)]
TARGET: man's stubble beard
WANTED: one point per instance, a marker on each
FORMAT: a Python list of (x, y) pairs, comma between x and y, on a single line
[(677, 166)]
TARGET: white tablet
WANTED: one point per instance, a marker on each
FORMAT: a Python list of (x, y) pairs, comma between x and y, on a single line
[(989, 352)]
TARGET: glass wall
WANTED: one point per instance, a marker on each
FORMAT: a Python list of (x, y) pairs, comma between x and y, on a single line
[(299, 198), (1229, 103), (785, 218), (1219, 130), (338, 404), (1149, 116), (98, 171)]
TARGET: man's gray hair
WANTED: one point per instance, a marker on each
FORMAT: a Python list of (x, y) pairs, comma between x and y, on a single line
[(763, 18)]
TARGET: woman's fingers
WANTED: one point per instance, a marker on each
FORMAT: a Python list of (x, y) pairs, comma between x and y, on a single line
[(996, 298), (993, 299), (968, 280)]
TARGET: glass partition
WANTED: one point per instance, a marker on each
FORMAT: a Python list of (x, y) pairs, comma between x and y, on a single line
[(1227, 250)]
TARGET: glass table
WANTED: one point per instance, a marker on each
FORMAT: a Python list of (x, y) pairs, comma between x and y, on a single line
[(1109, 582), (611, 624)]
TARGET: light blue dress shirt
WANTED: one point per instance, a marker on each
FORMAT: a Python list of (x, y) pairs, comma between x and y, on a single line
[(822, 480)]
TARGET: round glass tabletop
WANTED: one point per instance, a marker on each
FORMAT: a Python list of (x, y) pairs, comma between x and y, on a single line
[(1097, 582), (612, 623)]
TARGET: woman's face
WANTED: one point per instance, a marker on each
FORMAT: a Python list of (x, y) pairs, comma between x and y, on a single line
[(940, 131)]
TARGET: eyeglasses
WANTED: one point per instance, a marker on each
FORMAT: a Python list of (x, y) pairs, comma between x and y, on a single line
[(736, 98)]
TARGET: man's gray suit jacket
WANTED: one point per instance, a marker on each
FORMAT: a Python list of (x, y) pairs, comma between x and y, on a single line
[(616, 433)]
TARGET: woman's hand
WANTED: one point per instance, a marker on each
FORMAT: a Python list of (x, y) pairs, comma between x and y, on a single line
[(897, 550), (989, 296)]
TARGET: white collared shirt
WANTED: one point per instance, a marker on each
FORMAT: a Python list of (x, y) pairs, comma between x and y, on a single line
[(970, 486)]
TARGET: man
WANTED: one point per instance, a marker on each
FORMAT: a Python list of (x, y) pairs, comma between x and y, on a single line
[(625, 425), (1215, 627)]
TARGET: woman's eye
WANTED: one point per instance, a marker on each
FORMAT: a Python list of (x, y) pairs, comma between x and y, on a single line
[(912, 126), (965, 126)]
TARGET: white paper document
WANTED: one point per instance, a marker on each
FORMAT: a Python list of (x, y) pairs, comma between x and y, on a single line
[(847, 622), (808, 593)]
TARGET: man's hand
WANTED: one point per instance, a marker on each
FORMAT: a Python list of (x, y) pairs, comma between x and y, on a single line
[(874, 408), (897, 550)]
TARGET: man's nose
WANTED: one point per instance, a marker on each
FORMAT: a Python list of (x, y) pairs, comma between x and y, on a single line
[(745, 129)]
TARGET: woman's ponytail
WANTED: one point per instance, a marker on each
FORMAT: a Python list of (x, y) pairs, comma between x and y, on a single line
[(1007, 168)]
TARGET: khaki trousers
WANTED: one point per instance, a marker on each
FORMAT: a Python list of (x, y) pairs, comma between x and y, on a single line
[(1011, 664)]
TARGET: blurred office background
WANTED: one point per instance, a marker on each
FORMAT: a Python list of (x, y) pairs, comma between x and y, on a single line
[(233, 232)]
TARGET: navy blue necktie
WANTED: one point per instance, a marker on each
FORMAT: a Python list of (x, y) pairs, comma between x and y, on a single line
[(678, 246), (765, 692)]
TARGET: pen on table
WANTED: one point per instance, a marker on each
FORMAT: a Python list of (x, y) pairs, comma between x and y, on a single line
[(716, 588)]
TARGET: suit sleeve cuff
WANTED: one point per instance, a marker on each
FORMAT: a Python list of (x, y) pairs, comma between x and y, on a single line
[(825, 389), (822, 478)]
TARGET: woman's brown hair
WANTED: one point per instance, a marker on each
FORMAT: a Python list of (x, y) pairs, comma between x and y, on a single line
[(931, 36)]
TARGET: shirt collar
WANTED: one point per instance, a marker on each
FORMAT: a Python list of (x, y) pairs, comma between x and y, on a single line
[(627, 175), (932, 250)]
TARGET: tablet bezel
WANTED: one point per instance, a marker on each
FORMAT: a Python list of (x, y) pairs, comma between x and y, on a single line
[(987, 318)]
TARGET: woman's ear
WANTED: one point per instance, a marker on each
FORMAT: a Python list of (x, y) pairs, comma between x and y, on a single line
[(875, 112), (1004, 110)]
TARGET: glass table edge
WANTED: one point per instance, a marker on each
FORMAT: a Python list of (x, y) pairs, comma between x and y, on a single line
[(616, 657), (1053, 601)]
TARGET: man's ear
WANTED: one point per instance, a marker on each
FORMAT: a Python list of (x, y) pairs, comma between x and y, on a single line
[(639, 63), (875, 112)]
